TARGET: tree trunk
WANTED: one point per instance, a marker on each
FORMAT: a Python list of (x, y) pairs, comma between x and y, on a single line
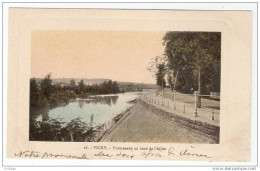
[(71, 137), (176, 80), (199, 90), (174, 90), (162, 83)]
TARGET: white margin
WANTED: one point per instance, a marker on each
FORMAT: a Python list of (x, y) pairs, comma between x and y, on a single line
[(184, 6)]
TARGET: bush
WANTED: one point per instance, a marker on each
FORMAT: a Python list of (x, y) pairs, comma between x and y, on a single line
[(43, 102), (56, 130)]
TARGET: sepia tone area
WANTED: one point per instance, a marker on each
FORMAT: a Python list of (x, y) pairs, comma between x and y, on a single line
[(108, 86), (95, 54)]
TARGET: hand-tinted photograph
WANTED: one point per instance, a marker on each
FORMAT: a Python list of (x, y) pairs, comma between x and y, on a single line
[(125, 86)]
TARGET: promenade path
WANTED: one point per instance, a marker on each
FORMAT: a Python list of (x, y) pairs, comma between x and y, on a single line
[(185, 106), (189, 99), (145, 124)]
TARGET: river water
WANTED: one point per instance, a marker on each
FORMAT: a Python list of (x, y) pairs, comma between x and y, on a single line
[(103, 108)]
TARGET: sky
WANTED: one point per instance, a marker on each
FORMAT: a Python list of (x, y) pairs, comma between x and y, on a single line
[(115, 55)]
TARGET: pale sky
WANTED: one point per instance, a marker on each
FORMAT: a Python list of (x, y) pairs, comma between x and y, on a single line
[(120, 56)]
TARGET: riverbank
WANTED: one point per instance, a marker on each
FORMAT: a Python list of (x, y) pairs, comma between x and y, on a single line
[(146, 123), (115, 122), (94, 115)]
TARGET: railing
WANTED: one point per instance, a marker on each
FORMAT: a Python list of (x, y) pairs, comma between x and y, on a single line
[(184, 103)]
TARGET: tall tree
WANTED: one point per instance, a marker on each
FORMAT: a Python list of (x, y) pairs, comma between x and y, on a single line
[(34, 93), (160, 80), (46, 86), (170, 80), (81, 85), (115, 87), (159, 69), (109, 86), (72, 83), (198, 52)]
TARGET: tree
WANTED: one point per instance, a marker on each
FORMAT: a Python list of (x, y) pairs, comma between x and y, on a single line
[(78, 130), (115, 87), (153, 68), (160, 75), (34, 93), (47, 130), (103, 87), (81, 85), (170, 81), (198, 52), (46, 86), (109, 86), (72, 83), (159, 69)]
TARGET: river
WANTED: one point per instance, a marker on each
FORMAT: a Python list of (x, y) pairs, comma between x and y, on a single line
[(103, 108)]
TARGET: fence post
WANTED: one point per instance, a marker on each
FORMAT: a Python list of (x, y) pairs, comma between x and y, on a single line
[(154, 97), (183, 109), (212, 114), (195, 104), (174, 100), (162, 97)]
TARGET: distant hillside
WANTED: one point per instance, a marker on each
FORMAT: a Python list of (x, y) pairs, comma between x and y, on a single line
[(86, 81), (130, 86), (126, 86)]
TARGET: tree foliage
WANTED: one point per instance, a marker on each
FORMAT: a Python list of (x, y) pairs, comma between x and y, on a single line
[(72, 83), (197, 53), (48, 94), (160, 75), (34, 93), (46, 86), (45, 94), (57, 130), (81, 85)]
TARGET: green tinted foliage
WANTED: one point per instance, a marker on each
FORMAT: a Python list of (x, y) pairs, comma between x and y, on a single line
[(160, 75), (56, 130), (194, 52), (34, 93), (46, 87)]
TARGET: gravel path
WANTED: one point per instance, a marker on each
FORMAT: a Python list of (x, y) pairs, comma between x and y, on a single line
[(144, 124)]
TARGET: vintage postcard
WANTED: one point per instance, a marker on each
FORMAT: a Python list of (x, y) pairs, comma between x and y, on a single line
[(129, 85)]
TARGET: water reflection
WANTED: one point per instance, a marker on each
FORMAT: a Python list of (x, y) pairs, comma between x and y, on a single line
[(102, 107), (40, 114), (108, 100), (81, 103)]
